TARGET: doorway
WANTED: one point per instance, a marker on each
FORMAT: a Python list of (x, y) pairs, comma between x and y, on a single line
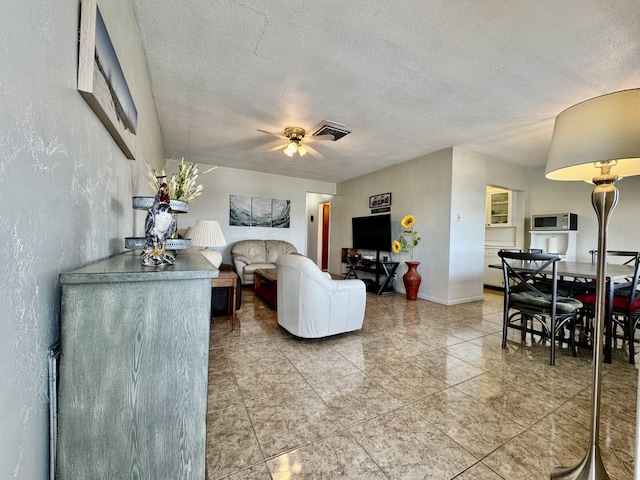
[(318, 228), (324, 214)]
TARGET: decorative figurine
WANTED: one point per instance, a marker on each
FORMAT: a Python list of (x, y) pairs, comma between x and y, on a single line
[(160, 225)]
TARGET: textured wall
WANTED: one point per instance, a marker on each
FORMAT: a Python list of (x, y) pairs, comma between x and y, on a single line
[(65, 196), (222, 182)]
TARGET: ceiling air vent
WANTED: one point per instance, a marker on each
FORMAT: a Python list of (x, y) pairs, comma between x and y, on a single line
[(331, 128)]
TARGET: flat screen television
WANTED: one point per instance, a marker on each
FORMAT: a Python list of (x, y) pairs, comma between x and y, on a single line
[(372, 232)]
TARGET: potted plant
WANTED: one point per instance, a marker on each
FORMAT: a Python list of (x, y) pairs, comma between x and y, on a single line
[(408, 240), (182, 184)]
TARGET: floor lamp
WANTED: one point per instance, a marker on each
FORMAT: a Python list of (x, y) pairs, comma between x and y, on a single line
[(208, 233), (597, 141)]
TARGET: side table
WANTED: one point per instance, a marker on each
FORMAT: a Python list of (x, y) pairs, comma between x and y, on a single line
[(228, 279)]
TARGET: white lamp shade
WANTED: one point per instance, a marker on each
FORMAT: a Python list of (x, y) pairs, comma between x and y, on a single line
[(605, 128), (207, 233)]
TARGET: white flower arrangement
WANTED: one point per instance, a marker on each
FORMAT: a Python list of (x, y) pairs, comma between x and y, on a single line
[(182, 184)]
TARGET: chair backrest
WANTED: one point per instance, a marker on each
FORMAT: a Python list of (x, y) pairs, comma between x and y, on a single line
[(519, 250), (630, 287), (624, 257), (536, 281), (635, 280), (304, 265)]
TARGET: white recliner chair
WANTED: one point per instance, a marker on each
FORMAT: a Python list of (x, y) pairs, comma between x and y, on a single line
[(312, 305)]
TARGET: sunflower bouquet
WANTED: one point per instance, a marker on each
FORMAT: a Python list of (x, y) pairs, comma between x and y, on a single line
[(408, 239)]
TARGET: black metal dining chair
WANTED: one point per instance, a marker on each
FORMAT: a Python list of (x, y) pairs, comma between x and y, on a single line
[(531, 299), (622, 257), (625, 257), (586, 290), (625, 311)]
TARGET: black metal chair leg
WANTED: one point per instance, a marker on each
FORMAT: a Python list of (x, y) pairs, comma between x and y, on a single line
[(553, 343), (505, 325), (630, 335)]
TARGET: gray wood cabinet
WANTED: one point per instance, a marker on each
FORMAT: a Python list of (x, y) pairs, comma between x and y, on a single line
[(133, 370)]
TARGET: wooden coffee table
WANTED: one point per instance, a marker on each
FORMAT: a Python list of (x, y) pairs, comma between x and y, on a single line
[(265, 283)]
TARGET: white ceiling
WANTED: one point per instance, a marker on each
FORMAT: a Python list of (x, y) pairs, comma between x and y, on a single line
[(407, 77)]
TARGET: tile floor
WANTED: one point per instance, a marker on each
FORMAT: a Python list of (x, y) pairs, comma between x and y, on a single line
[(422, 391)]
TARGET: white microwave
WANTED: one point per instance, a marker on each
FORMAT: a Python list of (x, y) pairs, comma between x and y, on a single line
[(554, 221)]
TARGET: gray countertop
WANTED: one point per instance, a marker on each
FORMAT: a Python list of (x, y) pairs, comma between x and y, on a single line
[(127, 267)]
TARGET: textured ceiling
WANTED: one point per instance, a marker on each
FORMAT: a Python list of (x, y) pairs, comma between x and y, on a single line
[(407, 77)]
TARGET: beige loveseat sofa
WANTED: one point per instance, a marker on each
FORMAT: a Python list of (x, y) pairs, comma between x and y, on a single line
[(251, 255)]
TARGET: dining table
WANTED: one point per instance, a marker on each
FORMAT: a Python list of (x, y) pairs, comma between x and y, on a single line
[(579, 271)]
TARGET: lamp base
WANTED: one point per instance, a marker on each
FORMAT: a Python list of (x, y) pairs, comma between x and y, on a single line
[(604, 199), (214, 256), (590, 468)]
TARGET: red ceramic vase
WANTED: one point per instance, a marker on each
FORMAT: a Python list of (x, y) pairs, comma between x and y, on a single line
[(412, 280)]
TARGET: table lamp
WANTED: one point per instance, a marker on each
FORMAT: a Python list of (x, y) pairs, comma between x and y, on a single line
[(208, 233), (597, 141)]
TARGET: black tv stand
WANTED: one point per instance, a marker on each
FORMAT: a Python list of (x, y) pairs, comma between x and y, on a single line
[(383, 272)]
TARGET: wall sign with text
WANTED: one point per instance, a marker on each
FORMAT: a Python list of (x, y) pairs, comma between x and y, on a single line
[(380, 203)]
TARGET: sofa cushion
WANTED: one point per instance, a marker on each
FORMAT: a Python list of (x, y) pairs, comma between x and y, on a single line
[(250, 251), (251, 268), (250, 255), (275, 248)]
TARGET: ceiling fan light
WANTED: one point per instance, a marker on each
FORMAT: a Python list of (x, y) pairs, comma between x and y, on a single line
[(302, 150), (291, 148)]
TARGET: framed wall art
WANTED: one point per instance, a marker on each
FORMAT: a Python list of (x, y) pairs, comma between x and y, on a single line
[(101, 81), (246, 211), (380, 203)]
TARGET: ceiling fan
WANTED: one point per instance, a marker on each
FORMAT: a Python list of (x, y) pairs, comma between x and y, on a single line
[(296, 142)]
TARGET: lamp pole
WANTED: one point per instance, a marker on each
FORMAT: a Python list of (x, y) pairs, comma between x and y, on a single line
[(604, 199)]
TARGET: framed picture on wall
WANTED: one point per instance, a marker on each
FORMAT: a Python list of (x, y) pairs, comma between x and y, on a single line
[(380, 200), (101, 81), (246, 211)]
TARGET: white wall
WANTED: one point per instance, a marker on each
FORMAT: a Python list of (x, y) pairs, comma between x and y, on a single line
[(213, 204), (549, 196), (436, 188), (65, 198), (421, 187), (467, 224)]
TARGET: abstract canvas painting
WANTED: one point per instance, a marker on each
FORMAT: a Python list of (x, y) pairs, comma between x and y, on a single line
[(246, 211), (260, 212), (101, 81), (280, 213), (240, 210)]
